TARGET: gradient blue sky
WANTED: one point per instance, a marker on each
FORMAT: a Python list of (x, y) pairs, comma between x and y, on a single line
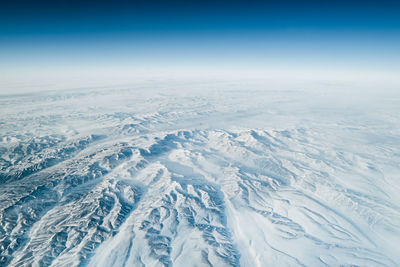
[(86, 39)]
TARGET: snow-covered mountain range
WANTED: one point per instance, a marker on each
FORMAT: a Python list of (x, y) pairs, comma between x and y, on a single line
[(200, 174)]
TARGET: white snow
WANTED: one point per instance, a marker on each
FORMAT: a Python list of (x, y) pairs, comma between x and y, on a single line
[(200, 174)]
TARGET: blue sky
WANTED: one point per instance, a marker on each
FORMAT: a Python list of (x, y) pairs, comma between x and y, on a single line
[(46, 38)]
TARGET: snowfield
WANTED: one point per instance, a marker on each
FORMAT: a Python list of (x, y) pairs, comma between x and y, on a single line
[(200, 174)]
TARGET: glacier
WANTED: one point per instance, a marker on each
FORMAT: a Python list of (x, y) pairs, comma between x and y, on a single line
[(200, 174)]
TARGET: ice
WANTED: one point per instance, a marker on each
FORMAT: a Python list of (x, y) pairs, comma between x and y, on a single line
[(200, 174)]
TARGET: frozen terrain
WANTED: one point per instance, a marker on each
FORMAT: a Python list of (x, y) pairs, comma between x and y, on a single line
[(200, 174)]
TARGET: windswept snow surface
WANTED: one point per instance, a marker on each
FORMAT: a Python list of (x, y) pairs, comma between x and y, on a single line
[(200, 174)]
